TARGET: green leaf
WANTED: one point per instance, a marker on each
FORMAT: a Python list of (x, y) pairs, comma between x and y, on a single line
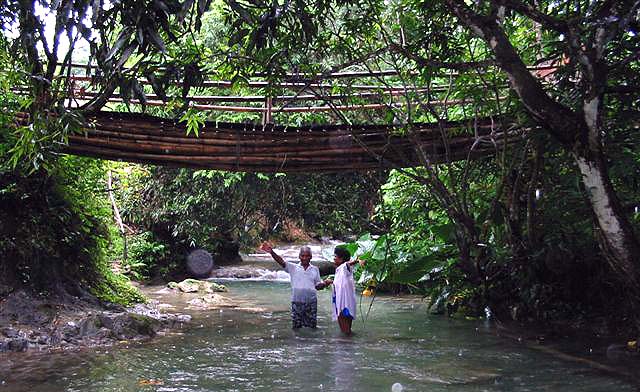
[(445, 232), (194, 119)]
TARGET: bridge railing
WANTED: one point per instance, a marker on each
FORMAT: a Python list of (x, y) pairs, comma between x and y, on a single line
[(301, 93)]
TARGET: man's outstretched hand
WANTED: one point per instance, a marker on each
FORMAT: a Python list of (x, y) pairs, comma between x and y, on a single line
[(325, 283), (265, 246)]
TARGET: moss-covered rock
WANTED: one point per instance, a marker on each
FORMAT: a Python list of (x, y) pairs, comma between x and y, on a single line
[(172, 285), (195, 286), (189, 286), (215, 287), (211, 301)]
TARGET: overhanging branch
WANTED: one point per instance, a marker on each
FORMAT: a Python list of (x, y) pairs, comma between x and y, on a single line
[(536, 15)]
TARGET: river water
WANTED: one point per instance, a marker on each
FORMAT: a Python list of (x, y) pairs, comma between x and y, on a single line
[(251, 347)]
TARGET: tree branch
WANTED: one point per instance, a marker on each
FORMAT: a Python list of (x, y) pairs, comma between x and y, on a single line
[(424, 62), (561, 120), (531, 12)]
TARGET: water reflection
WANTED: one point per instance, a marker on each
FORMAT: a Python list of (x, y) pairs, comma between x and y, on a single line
[(343, 364)]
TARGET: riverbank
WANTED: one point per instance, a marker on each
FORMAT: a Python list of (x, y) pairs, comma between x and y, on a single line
[(32, 322)]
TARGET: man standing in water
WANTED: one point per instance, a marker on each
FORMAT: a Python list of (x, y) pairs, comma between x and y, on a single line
[(305, 280)]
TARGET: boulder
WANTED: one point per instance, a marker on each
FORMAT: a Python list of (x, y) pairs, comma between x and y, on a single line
[(172, 285), (189, 286), (228, 252), (210, 301), (215, 287), (194, 286)]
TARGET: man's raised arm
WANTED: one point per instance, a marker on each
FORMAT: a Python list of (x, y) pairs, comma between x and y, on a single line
[(265, 246)]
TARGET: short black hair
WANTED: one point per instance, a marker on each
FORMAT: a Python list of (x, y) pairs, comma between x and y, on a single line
[(342, 253)]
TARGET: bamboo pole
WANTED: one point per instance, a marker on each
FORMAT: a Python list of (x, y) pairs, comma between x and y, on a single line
[(272, 166), (382, 93)]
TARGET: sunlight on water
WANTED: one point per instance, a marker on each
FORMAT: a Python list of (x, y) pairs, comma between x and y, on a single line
[(399, 347)]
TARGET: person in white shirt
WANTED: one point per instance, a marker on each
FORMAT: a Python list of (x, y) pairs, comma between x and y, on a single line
[(343, 296), (305, 280)]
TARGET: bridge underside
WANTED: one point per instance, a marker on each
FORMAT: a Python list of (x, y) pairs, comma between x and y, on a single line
[(142, 138)]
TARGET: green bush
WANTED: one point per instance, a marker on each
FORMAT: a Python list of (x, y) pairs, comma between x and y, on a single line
[(116, 288), (53, 233), (144, 254)]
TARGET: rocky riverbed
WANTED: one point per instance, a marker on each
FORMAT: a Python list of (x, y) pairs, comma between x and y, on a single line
[(29, 322), (36, 322)]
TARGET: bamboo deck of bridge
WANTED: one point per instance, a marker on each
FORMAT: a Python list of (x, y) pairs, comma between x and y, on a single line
[(142, 138)]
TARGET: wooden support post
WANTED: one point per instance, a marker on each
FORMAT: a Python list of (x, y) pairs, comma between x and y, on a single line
[(267, 116)]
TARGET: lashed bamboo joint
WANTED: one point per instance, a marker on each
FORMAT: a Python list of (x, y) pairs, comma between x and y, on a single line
[(142, 138)]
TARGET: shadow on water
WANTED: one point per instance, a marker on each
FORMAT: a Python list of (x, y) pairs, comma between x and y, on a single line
[(254, 348)]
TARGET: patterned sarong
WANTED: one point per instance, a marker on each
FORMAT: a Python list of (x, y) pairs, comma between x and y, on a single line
[(304, 314)]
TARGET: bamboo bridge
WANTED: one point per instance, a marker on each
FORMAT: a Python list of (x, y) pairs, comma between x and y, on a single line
[(268, 147), (142, 138)]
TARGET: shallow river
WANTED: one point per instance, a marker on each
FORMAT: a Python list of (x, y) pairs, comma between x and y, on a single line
[(252, 348)]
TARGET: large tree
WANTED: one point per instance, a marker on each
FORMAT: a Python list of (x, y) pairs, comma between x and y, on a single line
[(590, 47), (596, 41)]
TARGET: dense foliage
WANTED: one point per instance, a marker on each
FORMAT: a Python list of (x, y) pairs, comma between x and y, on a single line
[(54, 237), (53, 211), (542, 263), (181, 209)]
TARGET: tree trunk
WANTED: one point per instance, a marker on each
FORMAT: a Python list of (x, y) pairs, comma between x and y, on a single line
[(116, 216), (471, 258), (467, 262), (620, 246), (619, 243)]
